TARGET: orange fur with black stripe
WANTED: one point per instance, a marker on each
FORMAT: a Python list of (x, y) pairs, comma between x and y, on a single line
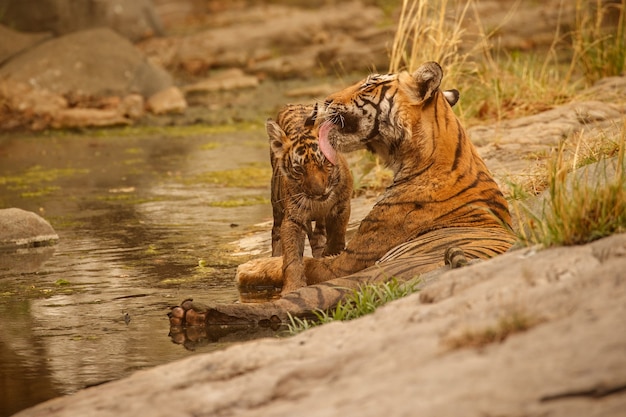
[(306, 188), (440, 182)]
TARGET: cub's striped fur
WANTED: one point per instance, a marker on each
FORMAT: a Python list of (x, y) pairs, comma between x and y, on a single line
[(306, 187), (442, 193)]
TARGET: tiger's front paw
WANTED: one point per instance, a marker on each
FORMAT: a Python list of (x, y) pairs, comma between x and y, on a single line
[(264, 272)]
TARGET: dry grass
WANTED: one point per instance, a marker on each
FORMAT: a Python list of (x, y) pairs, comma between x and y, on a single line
[(514, 322), (580, 206), (497, 84), (425, 33), (599, 41)]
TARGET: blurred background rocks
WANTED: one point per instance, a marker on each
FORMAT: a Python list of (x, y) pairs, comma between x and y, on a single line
[(210, 57)]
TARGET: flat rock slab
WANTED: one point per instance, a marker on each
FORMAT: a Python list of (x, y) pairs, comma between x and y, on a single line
[(21, 228), (529, 333)]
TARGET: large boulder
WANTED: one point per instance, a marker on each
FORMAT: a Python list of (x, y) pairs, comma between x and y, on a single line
[(133, 19), (12, 42), (96, 62)]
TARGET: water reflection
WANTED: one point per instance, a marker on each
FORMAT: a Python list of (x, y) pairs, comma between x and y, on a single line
[(138, 233)]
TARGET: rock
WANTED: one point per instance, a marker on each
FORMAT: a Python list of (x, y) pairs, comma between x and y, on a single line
[(507, 146), (132, 106), (78, 117), (233, 79), (21, 97), (26, 106), (320, 90), (39, 109), (527, 333), (20, 228), (170, 100), (71, 64), (133, 19), (278, 31), (13, 42)]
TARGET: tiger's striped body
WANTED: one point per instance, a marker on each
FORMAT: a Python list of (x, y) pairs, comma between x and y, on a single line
[(306, 187), (442, 193)]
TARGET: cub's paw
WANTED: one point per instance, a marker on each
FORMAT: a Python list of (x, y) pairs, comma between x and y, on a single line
[(293, 278), (292, 286), (264, 272)]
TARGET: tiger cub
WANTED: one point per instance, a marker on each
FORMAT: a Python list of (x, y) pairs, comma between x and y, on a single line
[(306, 186)]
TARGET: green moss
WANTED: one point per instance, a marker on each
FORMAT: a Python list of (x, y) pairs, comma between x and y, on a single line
[(63, 222), (12, 291), (241, 202), (134, 151), (40, 192), (37, 175), (252, 176), (133, 161), (127, 198), (170, 131), (209, 146)]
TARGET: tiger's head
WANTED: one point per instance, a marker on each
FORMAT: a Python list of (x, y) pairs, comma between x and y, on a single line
[(383, 113), (295, 152)]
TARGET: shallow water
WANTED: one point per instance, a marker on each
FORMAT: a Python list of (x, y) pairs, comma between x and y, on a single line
[(145, 219)]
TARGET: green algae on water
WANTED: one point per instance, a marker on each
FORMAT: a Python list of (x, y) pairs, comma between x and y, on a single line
[(241, 202), (251, 176)]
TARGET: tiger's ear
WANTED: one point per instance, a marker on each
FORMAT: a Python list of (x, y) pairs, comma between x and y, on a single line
[(276, 136), (427, 79), (452, 96)]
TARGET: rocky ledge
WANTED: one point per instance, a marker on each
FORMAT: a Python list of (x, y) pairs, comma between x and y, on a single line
[(530, 333)]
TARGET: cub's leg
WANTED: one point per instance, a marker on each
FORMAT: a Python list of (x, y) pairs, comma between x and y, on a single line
[(337, 222), (292, 237), (277, 249), (317, 239)]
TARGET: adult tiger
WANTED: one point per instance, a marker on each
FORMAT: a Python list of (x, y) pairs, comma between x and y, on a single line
[(306, 187), (442, 193)]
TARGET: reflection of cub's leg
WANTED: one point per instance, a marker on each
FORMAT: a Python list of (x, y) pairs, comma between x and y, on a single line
[(260, 272)]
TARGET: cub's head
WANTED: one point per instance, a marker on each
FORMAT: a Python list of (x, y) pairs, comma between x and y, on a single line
[(380, 112), (296, 155)]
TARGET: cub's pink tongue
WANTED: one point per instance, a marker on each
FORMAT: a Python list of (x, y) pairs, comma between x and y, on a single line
[(325, 146)]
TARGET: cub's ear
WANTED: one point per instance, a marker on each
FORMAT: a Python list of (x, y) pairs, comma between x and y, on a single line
[(276, 136), (310, 121), (452, 96), (427, 79)]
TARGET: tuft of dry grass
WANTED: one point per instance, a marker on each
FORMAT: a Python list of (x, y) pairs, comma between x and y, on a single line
[(583, 202), (599, 39), (514, 322), (426, 33)]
